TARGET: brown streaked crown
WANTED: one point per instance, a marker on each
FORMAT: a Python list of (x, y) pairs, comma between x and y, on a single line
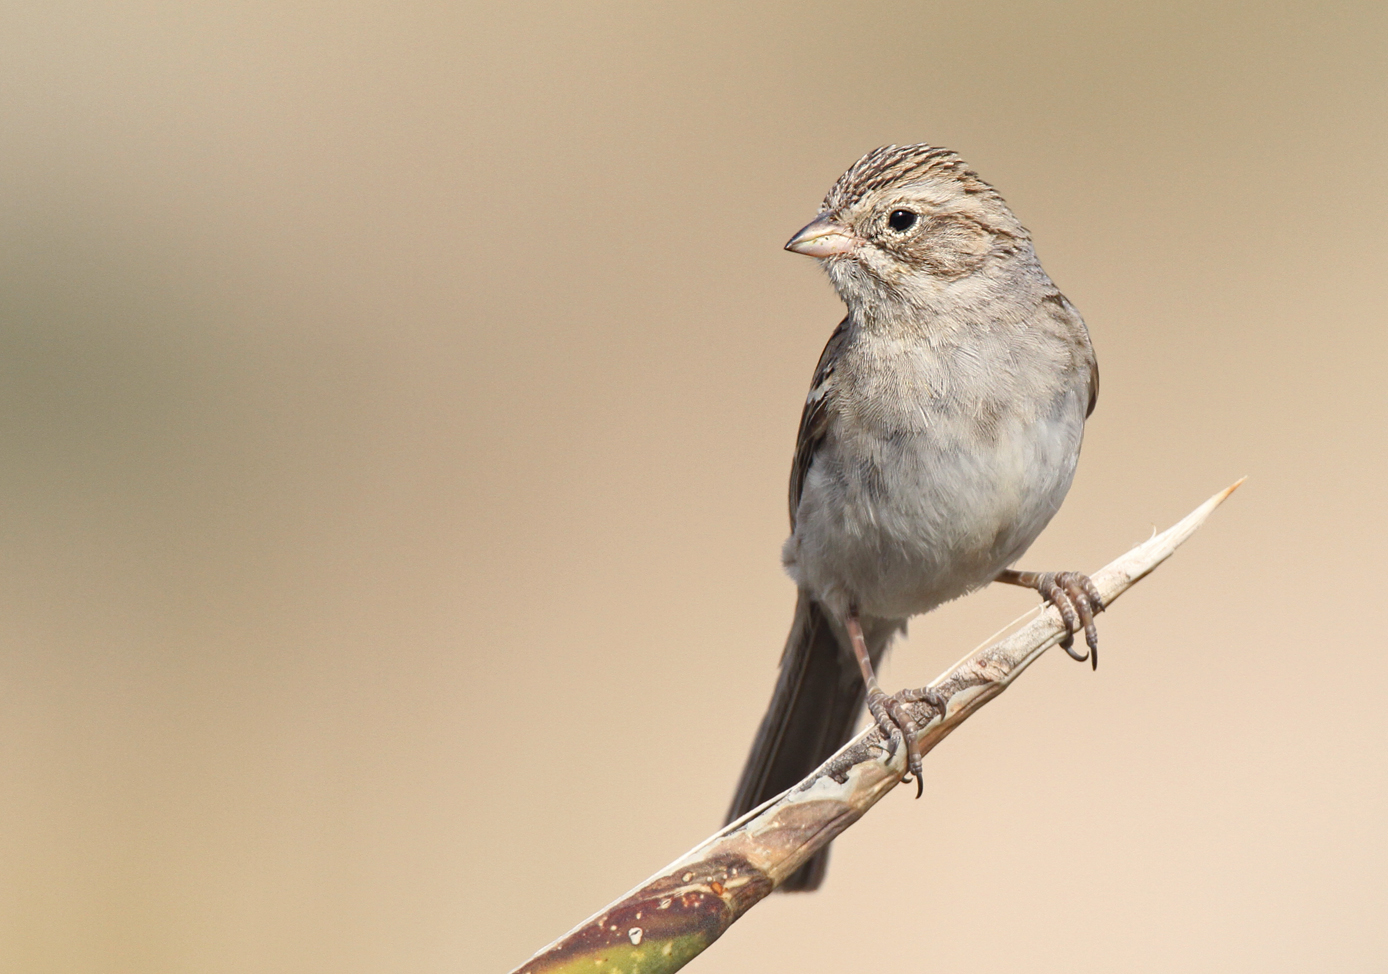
[(897, 165)]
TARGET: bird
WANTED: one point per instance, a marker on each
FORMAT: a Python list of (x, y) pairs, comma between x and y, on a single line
[(940, 434)]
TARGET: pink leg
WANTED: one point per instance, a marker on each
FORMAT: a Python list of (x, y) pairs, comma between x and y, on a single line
[(890, 713)]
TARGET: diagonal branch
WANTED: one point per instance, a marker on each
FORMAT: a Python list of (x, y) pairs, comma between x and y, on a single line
[(660, 926)]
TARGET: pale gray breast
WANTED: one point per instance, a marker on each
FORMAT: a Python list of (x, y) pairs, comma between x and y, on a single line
[(941, 466)]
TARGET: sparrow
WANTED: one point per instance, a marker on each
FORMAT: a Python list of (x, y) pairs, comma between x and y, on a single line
[(940, 435)]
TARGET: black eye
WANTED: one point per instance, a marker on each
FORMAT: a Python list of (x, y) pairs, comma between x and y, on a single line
[(901, 220)]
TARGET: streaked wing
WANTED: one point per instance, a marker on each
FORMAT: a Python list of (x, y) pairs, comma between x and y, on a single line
[(1093, 388), (1072, 323), (816, 417)]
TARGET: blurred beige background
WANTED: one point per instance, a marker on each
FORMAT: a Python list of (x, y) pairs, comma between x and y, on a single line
[(396, 410)]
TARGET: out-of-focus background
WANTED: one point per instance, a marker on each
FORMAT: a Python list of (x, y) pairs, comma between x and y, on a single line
[(396, 410)]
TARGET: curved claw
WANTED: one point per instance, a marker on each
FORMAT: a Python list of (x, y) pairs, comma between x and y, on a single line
[(1068, 644)]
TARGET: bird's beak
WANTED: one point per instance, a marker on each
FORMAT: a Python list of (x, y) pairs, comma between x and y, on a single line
[(823, 238)]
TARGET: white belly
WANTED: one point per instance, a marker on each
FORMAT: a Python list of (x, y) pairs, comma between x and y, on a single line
[(893, 524)]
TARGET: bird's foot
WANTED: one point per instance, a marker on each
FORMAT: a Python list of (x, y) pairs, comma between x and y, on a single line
[(897, 725), (1077, 599), (1079, 602)]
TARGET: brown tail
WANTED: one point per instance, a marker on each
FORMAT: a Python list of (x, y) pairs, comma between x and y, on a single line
[(813, 710)]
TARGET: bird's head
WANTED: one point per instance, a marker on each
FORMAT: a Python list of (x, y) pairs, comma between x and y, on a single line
[(904, 223)]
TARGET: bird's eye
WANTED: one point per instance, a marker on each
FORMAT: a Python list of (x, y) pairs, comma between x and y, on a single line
[(901, 220)]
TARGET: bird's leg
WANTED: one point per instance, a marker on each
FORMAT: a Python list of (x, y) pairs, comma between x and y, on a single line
[(1076, 598), (890, 713)]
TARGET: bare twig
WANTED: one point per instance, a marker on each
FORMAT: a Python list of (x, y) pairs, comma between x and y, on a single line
[(669, 919)]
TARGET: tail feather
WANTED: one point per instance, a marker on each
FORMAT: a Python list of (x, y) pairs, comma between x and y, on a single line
[(818, 697)]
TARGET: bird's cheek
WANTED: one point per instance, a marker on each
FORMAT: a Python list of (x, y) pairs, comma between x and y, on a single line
[(893, 268)]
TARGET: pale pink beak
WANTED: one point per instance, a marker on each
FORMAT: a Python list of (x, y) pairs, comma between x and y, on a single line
[(823, 238)]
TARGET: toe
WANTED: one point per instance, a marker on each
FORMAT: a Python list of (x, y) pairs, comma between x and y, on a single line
[(1092, 591), (1057, 595), (926, 695), (885, 726), (1078, 589)]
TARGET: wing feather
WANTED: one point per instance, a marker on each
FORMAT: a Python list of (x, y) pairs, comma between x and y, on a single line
[(816, 417)]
